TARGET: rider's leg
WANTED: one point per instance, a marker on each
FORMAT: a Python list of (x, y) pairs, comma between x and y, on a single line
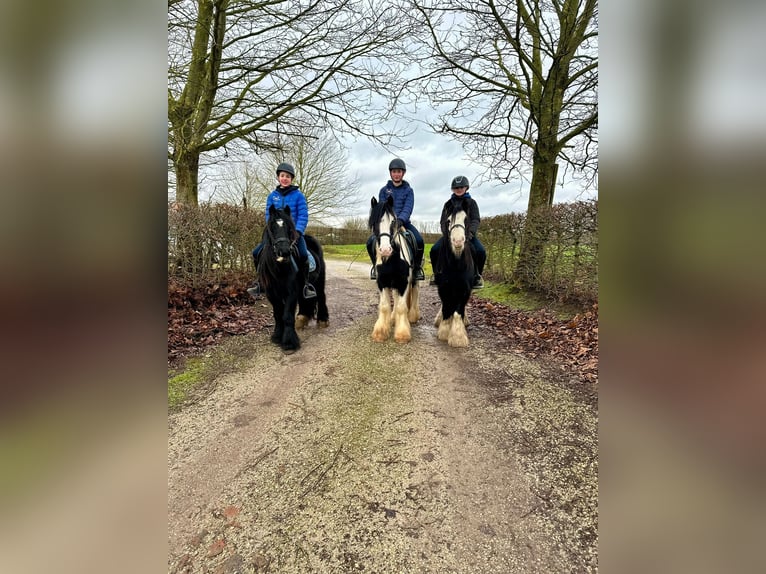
[(419, 249), (256, 289), (481, 258), (308, 289), (371, 253)]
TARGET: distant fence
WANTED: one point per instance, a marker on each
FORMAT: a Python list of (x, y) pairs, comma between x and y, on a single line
[(212, 241)]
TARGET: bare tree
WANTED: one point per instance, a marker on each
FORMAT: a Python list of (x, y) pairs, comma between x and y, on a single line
[(517, 84), (243, 73), (321, 166), (243, 183)]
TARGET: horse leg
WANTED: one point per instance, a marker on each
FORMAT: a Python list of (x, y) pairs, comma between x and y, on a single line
[(438, 318), (444, 328), (413, 303), (305, 312), (447, 312), (402, 333), (457, 333), (383, 325), (279, 326), (323, 315), (290, 340)]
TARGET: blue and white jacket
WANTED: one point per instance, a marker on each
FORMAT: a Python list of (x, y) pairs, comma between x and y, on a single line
[(293, 198)]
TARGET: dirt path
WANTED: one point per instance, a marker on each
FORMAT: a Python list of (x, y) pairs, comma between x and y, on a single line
[(354, 456)]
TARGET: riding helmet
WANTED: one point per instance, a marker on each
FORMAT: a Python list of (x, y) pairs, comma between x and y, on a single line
[(460, 181), (397, 164), (286, 167)]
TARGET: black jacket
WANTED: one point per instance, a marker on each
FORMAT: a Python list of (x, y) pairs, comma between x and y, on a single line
[(472, 209)]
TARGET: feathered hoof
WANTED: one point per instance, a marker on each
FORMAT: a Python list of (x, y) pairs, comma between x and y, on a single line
[(458, 341), (403, 338), (301, 321), (323, 324)]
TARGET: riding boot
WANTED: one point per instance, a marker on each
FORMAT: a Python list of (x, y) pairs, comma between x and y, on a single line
[(418, 264), (308, 289)]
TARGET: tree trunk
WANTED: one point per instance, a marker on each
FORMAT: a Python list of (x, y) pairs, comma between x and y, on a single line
[(536, 228), (187, 177)]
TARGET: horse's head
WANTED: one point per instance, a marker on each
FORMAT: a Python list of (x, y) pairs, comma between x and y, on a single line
[(280, 234), (383, 225), (456, 230)]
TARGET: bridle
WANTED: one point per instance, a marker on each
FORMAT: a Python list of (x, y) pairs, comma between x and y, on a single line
[(379, 236), (279, 242), (454, 225)]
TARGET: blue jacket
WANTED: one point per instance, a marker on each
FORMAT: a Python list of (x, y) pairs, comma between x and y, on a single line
[(404, 199), (295, 200)]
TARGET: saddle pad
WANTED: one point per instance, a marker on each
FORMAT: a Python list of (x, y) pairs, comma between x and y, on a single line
[(311, 260)]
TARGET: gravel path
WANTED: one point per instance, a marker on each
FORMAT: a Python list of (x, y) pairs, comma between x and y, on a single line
[(354, 456)]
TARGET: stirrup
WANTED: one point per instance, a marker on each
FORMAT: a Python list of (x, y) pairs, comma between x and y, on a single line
[(255, 291), (308, 291), (420, 274)]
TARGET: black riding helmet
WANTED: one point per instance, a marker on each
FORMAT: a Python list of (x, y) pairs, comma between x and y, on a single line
[(397, 164), (460, 181), (286, 167)]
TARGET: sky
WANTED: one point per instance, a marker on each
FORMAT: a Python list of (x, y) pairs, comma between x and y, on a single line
[(433, 160)]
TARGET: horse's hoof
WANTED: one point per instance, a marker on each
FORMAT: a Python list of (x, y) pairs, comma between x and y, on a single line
[(301, 321), (323, 324)]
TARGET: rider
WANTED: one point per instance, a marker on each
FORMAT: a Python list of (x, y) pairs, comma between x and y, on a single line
[(459, 191), (404, 201), (288, 195)]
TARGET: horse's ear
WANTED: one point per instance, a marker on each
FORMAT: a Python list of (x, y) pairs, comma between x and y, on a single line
[(374, 202), (287, 209), (272, 210), (390, 200)]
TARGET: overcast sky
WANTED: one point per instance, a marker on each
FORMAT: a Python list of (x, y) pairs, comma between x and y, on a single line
[(433, 160)]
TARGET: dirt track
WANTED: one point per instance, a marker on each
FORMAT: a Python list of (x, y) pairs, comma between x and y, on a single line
[(355, 456)]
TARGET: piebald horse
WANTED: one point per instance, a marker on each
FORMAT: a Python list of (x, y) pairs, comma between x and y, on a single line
[(396, 276)]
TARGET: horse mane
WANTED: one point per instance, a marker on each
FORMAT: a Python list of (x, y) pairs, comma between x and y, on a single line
[(268, 264), (445, 253), (377, 212)]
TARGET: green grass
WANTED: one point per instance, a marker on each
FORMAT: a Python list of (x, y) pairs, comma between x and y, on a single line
[(180, 385), (517, 299), (199, 373)]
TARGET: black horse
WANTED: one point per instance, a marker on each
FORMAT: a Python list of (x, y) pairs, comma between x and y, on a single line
[(279, 275), (396, 280), (456, 269)]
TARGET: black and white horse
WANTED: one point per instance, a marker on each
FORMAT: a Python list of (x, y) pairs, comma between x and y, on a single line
[(456, 272), (397, 281), (283, 282)]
